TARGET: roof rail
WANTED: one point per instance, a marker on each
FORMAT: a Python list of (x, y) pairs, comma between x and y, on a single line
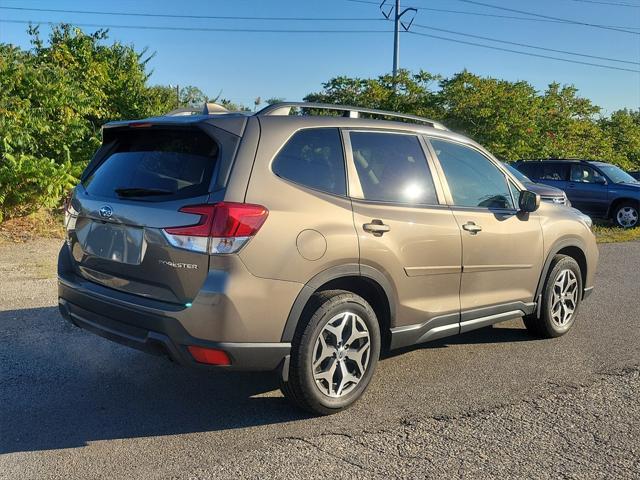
[(284, 109)]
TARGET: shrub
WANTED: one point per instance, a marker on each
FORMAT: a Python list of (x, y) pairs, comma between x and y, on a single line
[(28, 183)]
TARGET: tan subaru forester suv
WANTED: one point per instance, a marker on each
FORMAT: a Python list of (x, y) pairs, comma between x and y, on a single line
[(308, 239)]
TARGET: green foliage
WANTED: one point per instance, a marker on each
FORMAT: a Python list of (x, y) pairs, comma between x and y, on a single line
[(511, 119), (272, 100), (28, 183), (233, 107), (54, 98), (191, 96), (409, 93), (623, 128)]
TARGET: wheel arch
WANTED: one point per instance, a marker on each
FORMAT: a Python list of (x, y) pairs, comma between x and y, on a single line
[(572, 247), (619, 201), (363, 280)]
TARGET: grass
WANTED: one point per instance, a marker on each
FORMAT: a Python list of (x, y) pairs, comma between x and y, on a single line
[(606, 233)]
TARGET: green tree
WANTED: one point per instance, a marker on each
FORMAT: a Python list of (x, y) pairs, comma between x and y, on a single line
[(54, 98), (499, 114), (191, 96), (623, 129), (409, 93), (272, 100), (569, 127)]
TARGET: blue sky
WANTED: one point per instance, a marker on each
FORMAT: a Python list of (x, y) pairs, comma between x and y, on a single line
[(246, 65)]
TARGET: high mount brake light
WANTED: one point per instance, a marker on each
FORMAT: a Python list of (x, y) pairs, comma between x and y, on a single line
[(223, 227)]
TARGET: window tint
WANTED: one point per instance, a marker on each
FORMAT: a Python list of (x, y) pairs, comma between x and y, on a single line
[(516, 173), (314, 158), (585, 174), (167, 164), (392, 168), (554, 171), (473, 180), (530, 169)]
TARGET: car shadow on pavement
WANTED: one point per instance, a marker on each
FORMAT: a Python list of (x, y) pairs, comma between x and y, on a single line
[(61, 387)]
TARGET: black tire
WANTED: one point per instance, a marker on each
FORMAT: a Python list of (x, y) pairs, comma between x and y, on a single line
[(301, 387), (548, 326), (626, 215)]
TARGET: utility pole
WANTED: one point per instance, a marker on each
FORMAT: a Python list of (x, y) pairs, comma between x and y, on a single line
[(177, 96), (397, 23), (396, 39)]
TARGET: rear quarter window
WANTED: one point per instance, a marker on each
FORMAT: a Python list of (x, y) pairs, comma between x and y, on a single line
[(554, 171), (314, 158), (163, 164), (530, 169)]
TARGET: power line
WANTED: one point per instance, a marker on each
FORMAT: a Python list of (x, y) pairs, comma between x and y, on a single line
[(566, 52), (549, 17), (209, 17), (502, 49), (257, 30), (493, 15), (194, 29), (615, 4)]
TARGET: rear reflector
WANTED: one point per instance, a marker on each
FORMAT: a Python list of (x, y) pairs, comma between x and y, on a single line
[(210, 356), (222, 228)]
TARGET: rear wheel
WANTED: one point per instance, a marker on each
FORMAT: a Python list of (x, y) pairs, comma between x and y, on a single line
[(626, 215), (561, 298), (333, 354)]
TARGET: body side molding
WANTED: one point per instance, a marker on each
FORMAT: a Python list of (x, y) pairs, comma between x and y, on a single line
[(452, 324)]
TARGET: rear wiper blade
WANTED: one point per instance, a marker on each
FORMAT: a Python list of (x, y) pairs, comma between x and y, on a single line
[(141, 192)]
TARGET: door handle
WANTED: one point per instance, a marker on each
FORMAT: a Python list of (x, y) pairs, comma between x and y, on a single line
[(376, 227), (472, 228)]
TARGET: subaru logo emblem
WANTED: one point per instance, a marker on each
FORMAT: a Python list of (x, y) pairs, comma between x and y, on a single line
[(106, 211)]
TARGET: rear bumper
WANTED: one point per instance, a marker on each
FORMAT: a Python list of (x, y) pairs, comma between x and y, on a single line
[(159, 335)]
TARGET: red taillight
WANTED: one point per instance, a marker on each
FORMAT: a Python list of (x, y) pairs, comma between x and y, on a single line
[(200, 229), (238, 219), (223, 227), (210, 356)]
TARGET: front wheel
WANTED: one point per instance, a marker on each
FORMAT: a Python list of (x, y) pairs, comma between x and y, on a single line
[(333, 354), (626, 215), (561, 298)]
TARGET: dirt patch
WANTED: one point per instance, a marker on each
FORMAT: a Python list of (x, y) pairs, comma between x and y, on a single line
[(41, 224)]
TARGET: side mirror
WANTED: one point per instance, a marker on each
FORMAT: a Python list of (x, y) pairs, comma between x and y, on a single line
[(600, 180), (528, 201)]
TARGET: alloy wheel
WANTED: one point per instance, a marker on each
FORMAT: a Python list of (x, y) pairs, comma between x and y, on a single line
[(565, 298), (627, 217), (341, 354)]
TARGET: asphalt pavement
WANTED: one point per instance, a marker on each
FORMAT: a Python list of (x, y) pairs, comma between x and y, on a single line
[(491, 403)]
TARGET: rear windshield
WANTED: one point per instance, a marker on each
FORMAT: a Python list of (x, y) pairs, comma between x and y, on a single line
[(156, 165)]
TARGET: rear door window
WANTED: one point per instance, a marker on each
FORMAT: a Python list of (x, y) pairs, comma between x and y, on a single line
[(392, 168), (314, 158), (585, 174), (156, 164)]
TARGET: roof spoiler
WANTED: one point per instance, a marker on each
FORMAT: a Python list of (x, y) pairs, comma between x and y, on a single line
[(210, 108)]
